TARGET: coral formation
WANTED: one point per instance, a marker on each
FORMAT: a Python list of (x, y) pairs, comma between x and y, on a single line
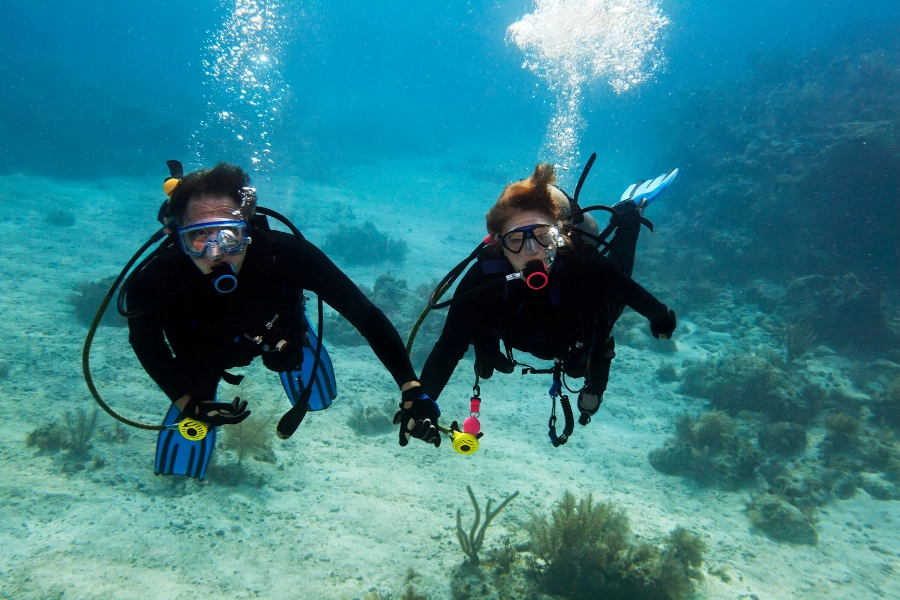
[(87, 300), (364, 245), (50, 438), (737, 382), (799, 338), (843, 311), (782, 438), (590, 552), (666, 373), (851, 448), (60, 218), (371, 420), (842, 431), (119, 434), (789, 143), (781, 520), (470, 543), (710, 450), (887, 406)]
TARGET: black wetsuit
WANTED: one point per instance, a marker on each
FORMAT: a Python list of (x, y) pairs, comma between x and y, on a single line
[(209, 332), (569, 319)]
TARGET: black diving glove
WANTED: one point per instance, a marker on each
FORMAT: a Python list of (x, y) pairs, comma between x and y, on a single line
[(216, 413), (662, 328), (419, 420)]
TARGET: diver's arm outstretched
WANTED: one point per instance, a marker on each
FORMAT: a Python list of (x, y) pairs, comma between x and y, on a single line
[(608, 281), (458, 333), (337, 290)]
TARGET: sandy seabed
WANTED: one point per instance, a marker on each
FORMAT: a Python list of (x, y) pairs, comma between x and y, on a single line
[(337, 514)]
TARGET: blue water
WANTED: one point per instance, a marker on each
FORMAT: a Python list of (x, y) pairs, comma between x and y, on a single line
[(785, 217), (119, 85)]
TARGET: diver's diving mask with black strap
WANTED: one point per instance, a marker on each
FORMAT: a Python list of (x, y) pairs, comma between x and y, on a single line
[(230, 236)]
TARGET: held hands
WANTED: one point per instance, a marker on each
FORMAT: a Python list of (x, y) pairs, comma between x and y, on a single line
[(418, 417), (216, 413), (662, 328)]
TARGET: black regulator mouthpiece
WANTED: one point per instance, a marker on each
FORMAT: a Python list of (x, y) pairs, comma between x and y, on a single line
[(223, 278), (535, 275)]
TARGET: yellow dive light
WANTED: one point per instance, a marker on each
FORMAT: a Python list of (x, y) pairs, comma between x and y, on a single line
[(193, 430)]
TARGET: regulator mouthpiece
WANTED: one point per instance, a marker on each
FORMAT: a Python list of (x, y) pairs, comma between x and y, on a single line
[(535, 275), (223, 278), (193, 430)]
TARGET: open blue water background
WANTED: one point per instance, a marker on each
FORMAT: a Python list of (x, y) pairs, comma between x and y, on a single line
[(114, 87)]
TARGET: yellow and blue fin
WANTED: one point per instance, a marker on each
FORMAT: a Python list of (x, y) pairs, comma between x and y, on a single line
[(178, 455)]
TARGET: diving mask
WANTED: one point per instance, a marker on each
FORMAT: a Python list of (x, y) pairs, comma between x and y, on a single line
[(228, 236), (529, 237)]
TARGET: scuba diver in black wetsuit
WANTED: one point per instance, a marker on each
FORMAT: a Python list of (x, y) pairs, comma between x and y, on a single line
[(208, 300), (546, 288)]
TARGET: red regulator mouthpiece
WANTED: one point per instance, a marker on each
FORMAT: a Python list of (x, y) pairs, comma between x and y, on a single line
[(535, 275)]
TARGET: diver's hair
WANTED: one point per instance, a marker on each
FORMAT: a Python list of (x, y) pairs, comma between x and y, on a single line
[(528, 194), (222, 180)]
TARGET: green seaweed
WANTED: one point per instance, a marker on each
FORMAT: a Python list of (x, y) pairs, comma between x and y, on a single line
[(81, 424), (782, 438), (590, 553), (254, 435), (119, 434), (667, 373), (364, 245), (799, 338), (842, 430), (50, 438), (687, 545), (470, 543), (709, 449), (576, 523), (87, 300)]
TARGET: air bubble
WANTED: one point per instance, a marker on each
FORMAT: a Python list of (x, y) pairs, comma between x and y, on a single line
[(573, 43), (244, 83)]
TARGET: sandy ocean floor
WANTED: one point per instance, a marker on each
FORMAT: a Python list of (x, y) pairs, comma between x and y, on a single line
[(339, 514)]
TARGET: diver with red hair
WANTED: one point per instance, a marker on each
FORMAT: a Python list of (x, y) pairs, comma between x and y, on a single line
[(546, 283)]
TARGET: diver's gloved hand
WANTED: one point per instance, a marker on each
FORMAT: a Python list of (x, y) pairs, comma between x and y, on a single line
[(485, 365), (418, 417), (216, 413), (289, 358), (663, 327)]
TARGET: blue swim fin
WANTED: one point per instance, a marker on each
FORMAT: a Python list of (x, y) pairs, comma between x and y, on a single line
[(177, 455), (324, 388), (649, 190)]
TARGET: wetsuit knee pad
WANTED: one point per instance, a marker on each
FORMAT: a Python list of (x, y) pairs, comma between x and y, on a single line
[(589, 401)]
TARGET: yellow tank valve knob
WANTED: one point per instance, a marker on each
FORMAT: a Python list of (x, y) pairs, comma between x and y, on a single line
[(170, 184)]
